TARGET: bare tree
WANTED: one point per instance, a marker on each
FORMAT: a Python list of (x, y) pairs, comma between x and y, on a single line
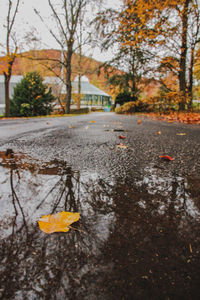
[(67, 15), (11, 49)]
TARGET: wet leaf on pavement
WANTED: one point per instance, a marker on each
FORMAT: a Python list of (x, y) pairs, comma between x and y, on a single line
[(166, 157), (122, 146), (59, 222)]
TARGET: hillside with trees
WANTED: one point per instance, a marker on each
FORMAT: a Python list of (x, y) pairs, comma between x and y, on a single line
[(46, 63)]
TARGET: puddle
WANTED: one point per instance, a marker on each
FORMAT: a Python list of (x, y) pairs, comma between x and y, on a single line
[(136, 239), (180, 192)]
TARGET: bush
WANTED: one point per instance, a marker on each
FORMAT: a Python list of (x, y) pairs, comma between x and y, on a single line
[(132, 107), (127, 108), (124, 98), (31, 97)]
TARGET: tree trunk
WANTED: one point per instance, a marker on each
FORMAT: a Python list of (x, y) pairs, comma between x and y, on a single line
[(68, 78), (182, 64), (7, 96), (190, 86), (133, 77), (7, 76), (133, 88), (79, 92)]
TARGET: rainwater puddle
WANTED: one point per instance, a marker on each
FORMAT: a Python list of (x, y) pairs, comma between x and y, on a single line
[(136, 238), (176, 190)]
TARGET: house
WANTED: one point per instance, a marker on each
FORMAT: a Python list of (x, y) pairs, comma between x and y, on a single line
[(90, 95)]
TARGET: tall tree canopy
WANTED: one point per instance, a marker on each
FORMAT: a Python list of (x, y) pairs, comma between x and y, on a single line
[(130, 58), (172, 29)]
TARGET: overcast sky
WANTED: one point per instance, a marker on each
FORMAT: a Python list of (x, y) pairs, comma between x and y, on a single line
[(26, 20)]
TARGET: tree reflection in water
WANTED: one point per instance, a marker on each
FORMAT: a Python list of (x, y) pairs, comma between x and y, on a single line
[(140, 240), (39, 266)]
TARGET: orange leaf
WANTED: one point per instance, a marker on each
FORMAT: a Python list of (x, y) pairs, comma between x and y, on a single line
[(122, 137), (92, 121), (58, 222), (166, 157), (139, 121)]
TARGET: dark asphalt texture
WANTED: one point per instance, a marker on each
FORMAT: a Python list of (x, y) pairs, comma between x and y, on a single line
[(91, 145), (140, 214)]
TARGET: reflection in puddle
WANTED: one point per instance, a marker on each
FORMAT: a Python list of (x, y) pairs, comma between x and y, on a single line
[(173, 187), (135, 238), (30, 189)]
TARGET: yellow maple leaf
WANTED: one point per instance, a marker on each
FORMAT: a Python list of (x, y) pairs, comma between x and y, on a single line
[(58, 222)]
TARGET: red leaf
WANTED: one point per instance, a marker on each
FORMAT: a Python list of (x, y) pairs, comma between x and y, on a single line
[(166, 157), (122, 137)]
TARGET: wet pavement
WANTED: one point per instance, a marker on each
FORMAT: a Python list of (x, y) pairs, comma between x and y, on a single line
[(138, 234)]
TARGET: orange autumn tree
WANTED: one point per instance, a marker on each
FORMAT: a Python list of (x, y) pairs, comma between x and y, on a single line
[(172, 29), (130, 58), (10, 50)]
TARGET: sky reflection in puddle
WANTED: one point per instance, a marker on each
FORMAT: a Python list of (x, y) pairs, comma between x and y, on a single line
[(173, 187)]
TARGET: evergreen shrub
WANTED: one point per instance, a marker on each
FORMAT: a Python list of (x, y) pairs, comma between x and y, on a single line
[(31, 97)]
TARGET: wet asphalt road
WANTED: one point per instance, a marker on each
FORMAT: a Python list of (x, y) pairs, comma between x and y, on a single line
[(138, 236)]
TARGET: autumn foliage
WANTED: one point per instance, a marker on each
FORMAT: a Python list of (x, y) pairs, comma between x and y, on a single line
[(181, 117)]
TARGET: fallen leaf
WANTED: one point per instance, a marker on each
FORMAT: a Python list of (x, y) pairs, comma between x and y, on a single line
[(139, 121), (166, 157), (181, 133), (190, 246), (92, 121), (122, 137), (159, 132), (122, 146), (58, 222), (188, 118), (71, 126)]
